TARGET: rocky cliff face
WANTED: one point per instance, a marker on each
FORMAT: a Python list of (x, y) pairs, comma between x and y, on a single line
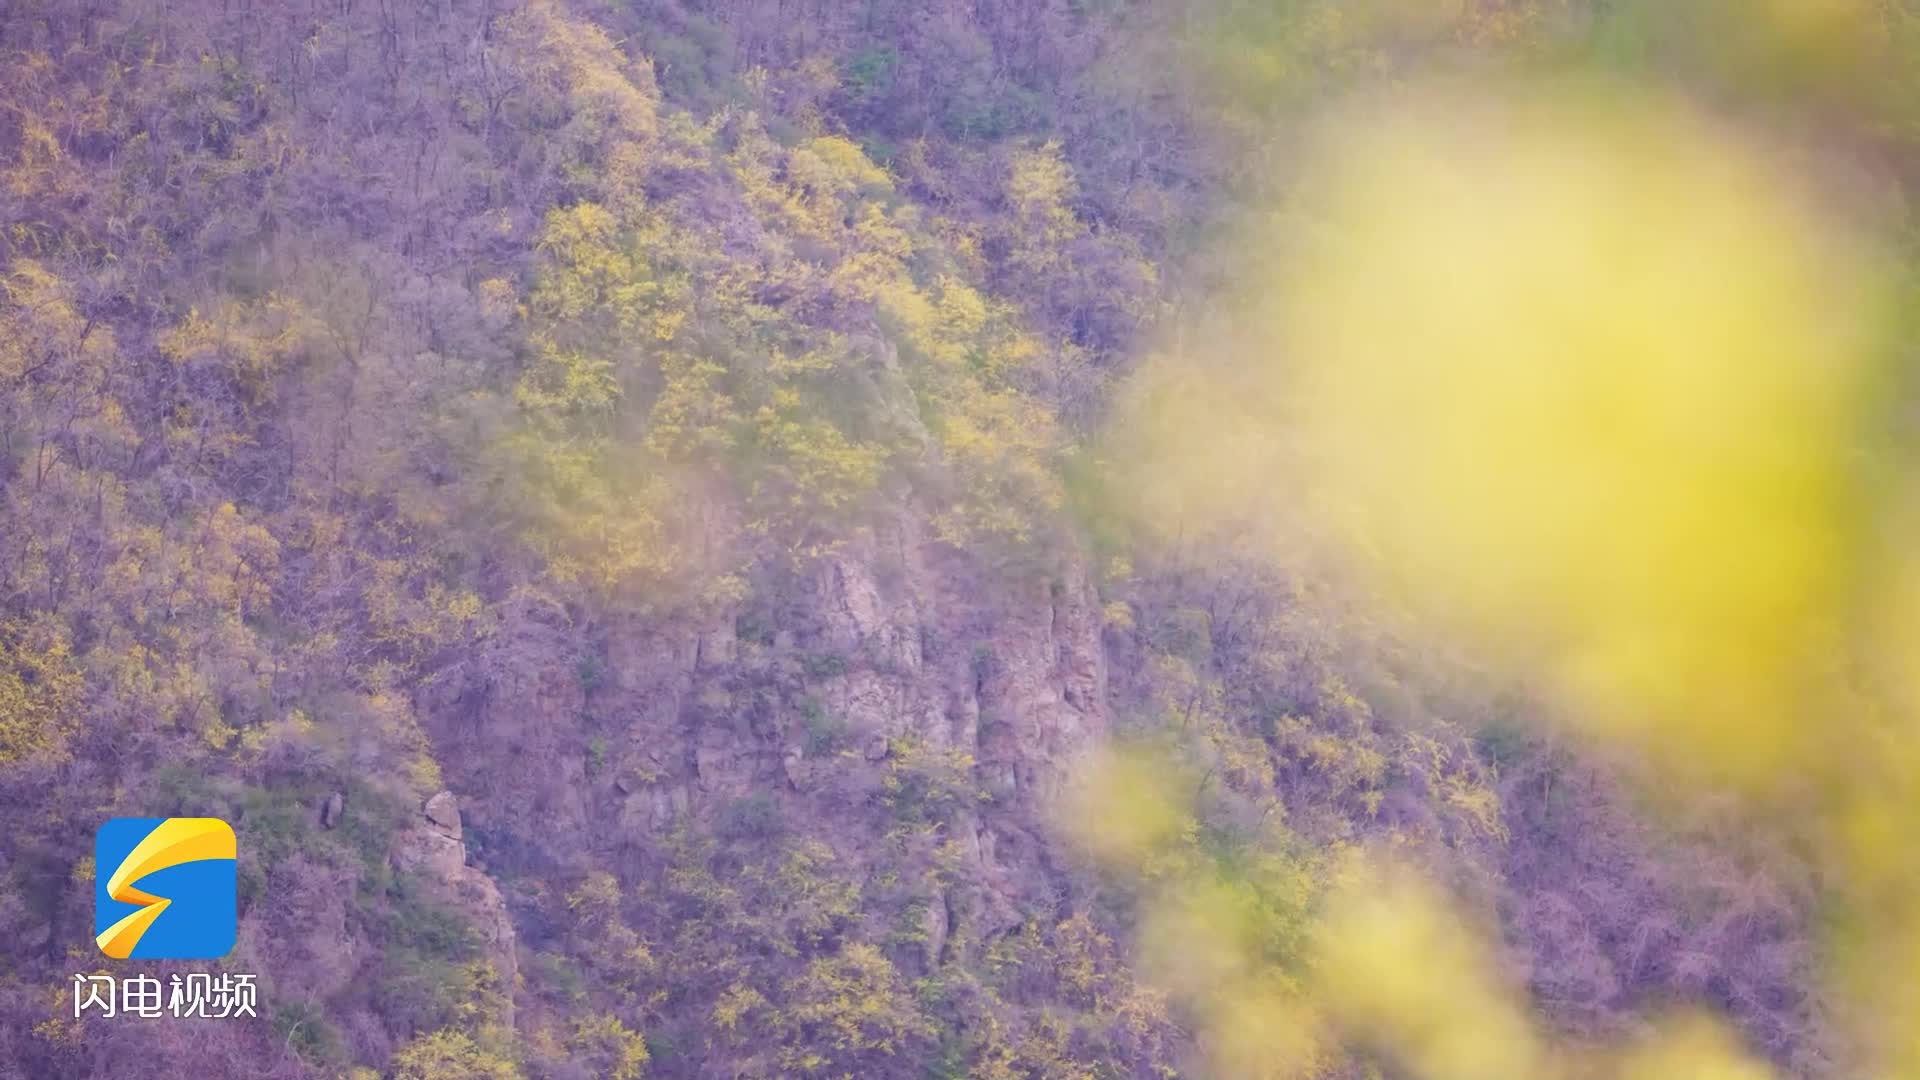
[(565, 738), (432, 852)]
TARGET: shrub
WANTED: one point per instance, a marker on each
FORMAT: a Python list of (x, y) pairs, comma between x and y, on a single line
[(451, 1055), (827, 733), (753, 817)]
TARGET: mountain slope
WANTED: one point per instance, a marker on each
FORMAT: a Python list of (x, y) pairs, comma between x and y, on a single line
[(660, 428)]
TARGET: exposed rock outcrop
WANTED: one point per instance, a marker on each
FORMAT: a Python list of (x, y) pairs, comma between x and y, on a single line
[(434, 854), (892, 652), (443, 812)]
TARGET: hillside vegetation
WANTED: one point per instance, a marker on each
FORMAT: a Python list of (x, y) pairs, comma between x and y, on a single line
[(641, 513)]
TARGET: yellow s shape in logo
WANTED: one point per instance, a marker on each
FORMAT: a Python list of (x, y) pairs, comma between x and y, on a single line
[(171, 843)]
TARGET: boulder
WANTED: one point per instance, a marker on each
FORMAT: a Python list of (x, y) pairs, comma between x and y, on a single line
[(1001, 779), (665, 805), (426, 850), (443, 810), (794, 764)]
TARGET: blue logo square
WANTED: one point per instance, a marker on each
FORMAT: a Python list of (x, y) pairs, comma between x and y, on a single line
[(165, 888)]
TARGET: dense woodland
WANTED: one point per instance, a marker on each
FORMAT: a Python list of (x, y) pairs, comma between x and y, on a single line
[(676, 429)]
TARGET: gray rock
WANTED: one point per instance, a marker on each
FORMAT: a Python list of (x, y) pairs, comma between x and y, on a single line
[(724, 765), (331, 810), (428, 851), (667, 804), (1001, 779), (936, 926), (877, 747), (443, 810), (439, 862)]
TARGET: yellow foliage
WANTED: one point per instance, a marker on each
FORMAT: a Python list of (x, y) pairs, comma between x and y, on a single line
[(1622, 455), (1646, 465), (735, 1005), (1039, 185), (1079, 948), (833, 166), (606, 107), (1224, 939), (818, 465), (1691, 1046), (1002, 445), (1394, 967), (605, 291), (39, 692), (1122, 812), (567, 379), (56, 367), (39, 318), (592, 522), (692, 417), (1570, 375), (597, 899), (1039, 181), (497, 300), (252, 340), (451, 1055), (855, 1002), (618, 1051)]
